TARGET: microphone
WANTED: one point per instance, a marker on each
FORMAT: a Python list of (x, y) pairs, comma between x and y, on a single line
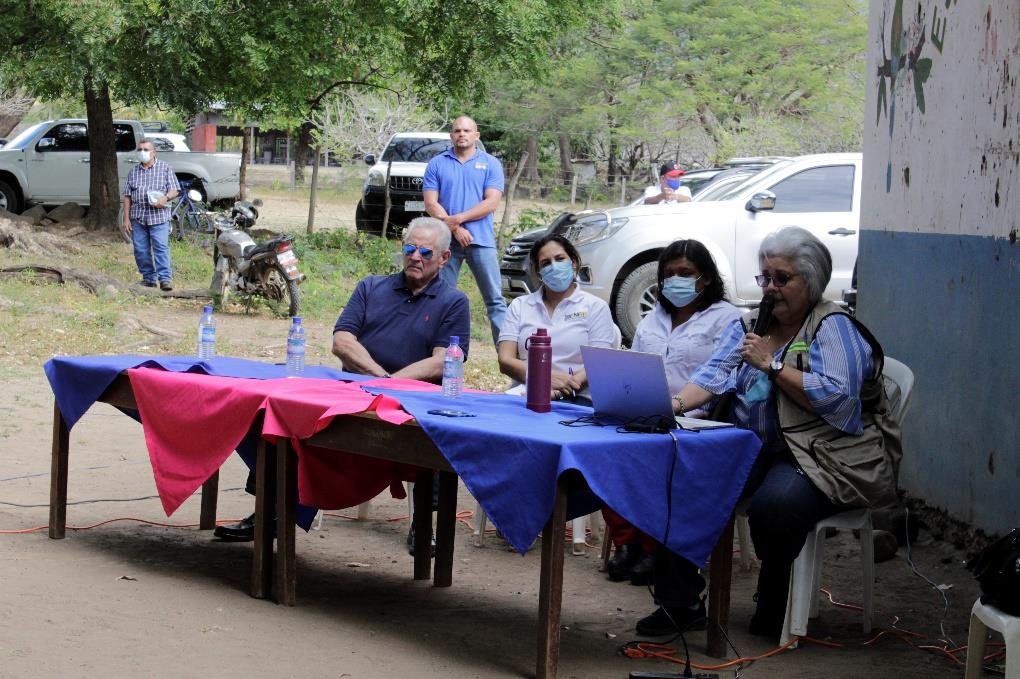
[(761, 324)]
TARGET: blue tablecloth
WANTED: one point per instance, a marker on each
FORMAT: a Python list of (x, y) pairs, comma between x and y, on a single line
[(510, 459), (77, 381)]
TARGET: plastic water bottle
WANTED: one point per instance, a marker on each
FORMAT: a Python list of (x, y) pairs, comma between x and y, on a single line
[(296, 349), (206, 334), (453, 368), (539, 379)]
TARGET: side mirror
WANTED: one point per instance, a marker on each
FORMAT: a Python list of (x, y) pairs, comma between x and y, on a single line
[(257, 202), (195, 196), (369, 159), (764, 200), (45, 143)]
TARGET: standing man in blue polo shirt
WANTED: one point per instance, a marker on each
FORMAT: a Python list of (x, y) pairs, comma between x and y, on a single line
[(463, 187)]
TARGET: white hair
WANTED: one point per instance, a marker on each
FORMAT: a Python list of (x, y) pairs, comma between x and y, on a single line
[(436, 226), (808, 254)]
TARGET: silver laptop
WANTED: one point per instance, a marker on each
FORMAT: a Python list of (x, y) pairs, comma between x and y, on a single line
[(628, 386)]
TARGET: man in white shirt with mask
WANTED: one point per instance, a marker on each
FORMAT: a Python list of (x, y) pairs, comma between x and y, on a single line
[(669, 189)]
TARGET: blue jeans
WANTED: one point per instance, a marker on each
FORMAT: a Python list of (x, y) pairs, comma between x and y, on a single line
[(152, 246), (484, 265)]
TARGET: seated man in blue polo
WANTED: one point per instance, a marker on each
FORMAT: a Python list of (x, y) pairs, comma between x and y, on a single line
[(463, 187), (400, 325), (396, 326)]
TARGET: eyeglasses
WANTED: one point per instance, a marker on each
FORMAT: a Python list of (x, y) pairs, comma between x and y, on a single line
[(778, 279), (410, 249)]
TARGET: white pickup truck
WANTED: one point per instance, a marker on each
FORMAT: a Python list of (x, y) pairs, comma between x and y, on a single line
[(48, 164), (620, 247)]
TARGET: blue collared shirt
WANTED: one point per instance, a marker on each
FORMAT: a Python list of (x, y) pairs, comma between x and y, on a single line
[(840, 362), (462, 186), (398, 328)]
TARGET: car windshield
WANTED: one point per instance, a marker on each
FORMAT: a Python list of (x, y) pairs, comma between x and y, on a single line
[(735, 189), (414, 150), (21, 141)]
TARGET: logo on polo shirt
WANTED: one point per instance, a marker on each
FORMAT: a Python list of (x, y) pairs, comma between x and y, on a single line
[(481, 165), (576, 315)]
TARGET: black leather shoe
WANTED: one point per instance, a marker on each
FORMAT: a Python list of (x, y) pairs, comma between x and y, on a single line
[(242, 531), (410, 542), (619, 567), (641, 572), (659, 624)]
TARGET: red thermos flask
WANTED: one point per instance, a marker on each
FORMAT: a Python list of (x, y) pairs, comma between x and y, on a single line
[(539, 348)]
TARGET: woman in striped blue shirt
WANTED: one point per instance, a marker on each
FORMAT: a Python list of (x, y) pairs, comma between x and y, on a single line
[(798, 385)]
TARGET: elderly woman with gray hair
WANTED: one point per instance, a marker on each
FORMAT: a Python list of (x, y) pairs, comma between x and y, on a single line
[(808, 384)]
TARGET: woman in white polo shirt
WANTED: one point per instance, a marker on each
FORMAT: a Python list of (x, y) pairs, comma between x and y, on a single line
[(572, 317), (684, 328)]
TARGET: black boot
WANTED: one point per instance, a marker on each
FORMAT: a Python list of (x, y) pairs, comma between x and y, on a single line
[(770, 612), (619, 567)]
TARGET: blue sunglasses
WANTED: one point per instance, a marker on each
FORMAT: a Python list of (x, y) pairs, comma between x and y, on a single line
[(426, 253)]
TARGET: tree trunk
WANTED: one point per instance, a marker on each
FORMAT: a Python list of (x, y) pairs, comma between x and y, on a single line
[(312, 193), (245, 159), (566, 167), (302, 150), (104, 185), (614, 153), (531, 155)]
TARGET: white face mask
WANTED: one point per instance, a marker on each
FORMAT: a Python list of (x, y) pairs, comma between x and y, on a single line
[(144, 156)]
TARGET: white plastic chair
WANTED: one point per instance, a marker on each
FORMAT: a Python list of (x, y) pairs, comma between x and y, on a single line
[(983, 617), (805, 578)]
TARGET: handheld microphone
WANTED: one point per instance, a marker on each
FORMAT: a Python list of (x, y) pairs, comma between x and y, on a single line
[(761, 324)]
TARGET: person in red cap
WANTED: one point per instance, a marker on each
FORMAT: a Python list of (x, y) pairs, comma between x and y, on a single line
[(669, 189)]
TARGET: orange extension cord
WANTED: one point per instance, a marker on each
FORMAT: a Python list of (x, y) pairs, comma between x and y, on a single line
[(669, 653)]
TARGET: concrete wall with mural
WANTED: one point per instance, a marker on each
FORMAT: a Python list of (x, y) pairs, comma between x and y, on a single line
[(939, 262)]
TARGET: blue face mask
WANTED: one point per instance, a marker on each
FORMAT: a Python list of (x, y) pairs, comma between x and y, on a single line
[(557, 276), (680, 290), (673, 184)]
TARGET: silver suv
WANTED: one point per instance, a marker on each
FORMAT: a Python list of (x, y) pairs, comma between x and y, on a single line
[(619, 247)]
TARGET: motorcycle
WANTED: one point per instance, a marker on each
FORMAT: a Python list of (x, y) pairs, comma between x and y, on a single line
[(245, 268)]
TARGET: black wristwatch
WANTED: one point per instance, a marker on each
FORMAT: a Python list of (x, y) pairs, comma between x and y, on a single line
[(774, 369)]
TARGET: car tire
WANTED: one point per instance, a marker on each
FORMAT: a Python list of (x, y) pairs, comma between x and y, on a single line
[(363, 223), (635, 298), (9, 199)]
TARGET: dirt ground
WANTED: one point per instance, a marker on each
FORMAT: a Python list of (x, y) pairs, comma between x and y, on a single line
[(126, 599)]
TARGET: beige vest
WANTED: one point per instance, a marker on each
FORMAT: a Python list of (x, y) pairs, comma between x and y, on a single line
[(852, 471)]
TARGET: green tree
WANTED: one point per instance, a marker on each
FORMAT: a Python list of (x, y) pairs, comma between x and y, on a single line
[(266, 58), (698, 80)]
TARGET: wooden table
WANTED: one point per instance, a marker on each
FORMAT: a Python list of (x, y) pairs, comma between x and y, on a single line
[(365, 434)]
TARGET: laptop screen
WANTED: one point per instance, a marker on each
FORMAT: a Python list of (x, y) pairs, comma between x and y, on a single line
[(626, 385)]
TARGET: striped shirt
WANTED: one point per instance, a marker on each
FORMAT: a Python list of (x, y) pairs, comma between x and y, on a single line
[(840, 362), (140, 180)]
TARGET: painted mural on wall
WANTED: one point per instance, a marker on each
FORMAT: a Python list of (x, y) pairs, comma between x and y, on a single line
[(903, 58)]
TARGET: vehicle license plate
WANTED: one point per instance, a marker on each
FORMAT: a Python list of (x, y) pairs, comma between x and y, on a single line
[(414, 206)]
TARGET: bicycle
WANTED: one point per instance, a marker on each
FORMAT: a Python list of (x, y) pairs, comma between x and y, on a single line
[(189, 220)]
